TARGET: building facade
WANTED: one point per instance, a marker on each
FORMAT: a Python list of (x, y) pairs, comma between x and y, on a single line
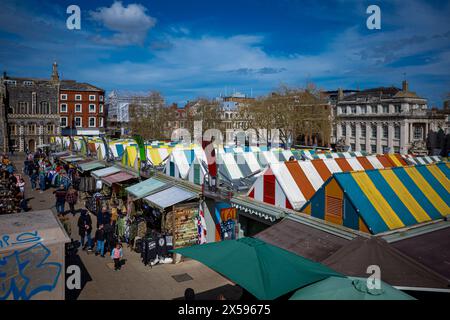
[(81, 109), (3, 120), (231, 115), (385, 119), (32, 111)]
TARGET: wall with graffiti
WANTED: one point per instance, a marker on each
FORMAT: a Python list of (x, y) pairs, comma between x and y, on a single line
[(31, 267)]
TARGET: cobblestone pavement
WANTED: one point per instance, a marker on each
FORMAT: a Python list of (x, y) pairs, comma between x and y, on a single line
[(134, 280)]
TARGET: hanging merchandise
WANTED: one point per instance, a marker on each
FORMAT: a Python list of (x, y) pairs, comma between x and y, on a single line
[(227, 230), (201, 225), (185, 230)]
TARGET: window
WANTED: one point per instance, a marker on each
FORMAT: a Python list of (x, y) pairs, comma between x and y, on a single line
[(28, 83), (334, 131), (78, 97), (398, 108), (78, 108), (385, 109), (385, 131), (31, 129), (374, 131), (334, 206), (91, 122), (101, 108), (91, 97), (396, 149), (373, 148), (63, 96), (23, 107), (100, 122), (45, 107), (50, 128), (78, 122), (63, 121), (353, 146), (363, 147), (343, 129), (92, 108), (397, 132), (363, 109), (353, 130), (100, 98), (63, 107), (353, 110), (13, 129), (375, 109), (363, 130), (418, 133)]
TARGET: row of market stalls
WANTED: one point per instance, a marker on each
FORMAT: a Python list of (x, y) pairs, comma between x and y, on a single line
[(367, 206)]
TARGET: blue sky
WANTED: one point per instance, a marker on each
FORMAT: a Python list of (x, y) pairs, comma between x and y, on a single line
[(192, 48)]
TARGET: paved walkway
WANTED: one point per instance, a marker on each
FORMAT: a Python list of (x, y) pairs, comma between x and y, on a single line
[(134, 280)]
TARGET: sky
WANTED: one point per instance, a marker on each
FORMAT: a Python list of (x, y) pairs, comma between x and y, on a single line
[(197, 48)]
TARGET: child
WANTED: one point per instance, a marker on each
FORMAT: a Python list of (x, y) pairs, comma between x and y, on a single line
[(21, 185), (116, 255)]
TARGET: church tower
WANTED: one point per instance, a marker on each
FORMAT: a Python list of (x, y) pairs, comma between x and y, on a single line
[(55, 76)]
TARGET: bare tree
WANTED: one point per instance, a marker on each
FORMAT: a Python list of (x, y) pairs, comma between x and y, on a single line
[(300, 115), (149, 116)]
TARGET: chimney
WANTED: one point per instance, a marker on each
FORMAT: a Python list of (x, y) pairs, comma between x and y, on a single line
[(405, 86), (340, 94)]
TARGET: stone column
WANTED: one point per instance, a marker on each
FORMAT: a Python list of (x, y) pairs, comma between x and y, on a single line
[(391, 136), (411, 133), (379, 137), (368, 133), (404, 145), (357, 137), (348, 133)]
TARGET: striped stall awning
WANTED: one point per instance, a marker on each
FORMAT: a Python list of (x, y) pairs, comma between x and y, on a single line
[(290, 184), (394, 198)]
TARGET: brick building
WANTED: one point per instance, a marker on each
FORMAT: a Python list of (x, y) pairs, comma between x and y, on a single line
[(81, 108)]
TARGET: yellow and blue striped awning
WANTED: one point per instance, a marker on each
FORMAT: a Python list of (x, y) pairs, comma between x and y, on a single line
[(389, 199)]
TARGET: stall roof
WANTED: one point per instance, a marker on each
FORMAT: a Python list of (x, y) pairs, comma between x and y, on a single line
[(146, 187), (117, 177), (105, 172), (61, 154), (92, 165), (170, 197), (397, 269), (302, 239), (431, 249), (75, 159)]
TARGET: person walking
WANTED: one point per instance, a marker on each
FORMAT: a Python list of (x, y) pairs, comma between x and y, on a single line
[(60, 196), (117, 255), (100, 239), (41, 179), (109, 237), (85, 229), (33, 179), (72, 198)]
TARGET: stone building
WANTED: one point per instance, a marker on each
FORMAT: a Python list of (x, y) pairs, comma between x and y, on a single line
[(3, 120), (384, 119), (32, 110)]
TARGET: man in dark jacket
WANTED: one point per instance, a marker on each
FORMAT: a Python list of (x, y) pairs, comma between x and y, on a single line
[(109, 237), (85, 229), (100, 239), (60, 196)]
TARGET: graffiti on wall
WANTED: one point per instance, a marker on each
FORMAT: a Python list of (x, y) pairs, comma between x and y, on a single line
[(26, 272), (21, 238)]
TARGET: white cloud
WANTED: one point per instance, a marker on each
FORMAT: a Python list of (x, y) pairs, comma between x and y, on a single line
[(130, 24)]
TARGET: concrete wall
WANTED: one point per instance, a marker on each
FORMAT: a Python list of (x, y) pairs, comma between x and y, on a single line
[(32, 256)]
